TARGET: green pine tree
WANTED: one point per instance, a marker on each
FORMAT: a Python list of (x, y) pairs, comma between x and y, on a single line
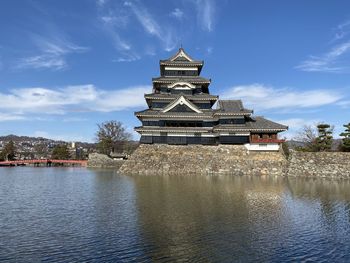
[(325, 137), (60, 152), (345, 146)]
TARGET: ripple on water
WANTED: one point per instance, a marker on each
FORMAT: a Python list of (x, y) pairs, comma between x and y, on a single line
[(66, 215)]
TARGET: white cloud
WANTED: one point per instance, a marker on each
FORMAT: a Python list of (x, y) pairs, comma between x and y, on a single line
[(128, 58), (210, 50), (263, 97), (295, 125), (205, 14), (61, 137), (329, 62), (83, 98), (52, 55), (344, 103), (342, 30), (74, 119), (151, 26), (101, 2), (177, 13), (10, 117)]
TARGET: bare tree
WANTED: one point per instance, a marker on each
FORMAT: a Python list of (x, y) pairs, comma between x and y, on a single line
[(307, 135), (110, 135)]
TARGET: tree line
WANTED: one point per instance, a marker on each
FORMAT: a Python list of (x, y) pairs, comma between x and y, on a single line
[(320, 138), (111, 138)]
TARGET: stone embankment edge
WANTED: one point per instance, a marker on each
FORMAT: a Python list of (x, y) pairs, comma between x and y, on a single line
[(226, 159)]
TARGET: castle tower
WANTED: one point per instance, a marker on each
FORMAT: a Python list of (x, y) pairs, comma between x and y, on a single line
[(181, 111)]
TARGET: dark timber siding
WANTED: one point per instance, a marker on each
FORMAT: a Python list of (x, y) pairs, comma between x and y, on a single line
[(178, 140), (159, 104), (203, 105), (232, 121), (234, 139), (181, 73)]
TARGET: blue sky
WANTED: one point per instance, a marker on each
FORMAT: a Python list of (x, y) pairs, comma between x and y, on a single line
[(67, 65)]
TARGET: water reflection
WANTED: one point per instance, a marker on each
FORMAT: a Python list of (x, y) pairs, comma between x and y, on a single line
[(221, 219), (65, 215)]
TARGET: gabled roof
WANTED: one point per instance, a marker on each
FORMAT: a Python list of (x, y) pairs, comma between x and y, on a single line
[(254, 124), (231, 107), (181, 58), (182, 101), (181, 55)]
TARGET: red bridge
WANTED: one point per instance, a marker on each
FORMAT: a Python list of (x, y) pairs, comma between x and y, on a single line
[(44, 161)]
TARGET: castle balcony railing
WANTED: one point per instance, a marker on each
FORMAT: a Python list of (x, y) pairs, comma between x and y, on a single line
[(269, 140)]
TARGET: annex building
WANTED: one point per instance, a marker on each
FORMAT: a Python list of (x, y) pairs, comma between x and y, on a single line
[(181, 111)]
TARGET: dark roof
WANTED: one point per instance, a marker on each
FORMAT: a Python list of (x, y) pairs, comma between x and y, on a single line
[(259, 122), (227, 106), (178, 56), (254, 124), (191, 79), (168, 96)]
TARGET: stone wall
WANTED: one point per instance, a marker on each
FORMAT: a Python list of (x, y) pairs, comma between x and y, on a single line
[(101, 160), (319, 164), (157, 159)]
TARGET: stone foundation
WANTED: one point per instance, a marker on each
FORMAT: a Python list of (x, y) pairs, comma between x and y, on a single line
[(156, 159), (319, 164), (97, 160)]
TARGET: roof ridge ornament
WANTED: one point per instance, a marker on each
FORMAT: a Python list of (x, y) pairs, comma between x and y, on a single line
[(181, 53), (182, 85)]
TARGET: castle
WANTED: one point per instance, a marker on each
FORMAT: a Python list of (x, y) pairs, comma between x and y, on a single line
[(180, 112)]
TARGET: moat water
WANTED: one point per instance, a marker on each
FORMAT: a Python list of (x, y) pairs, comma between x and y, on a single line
[(82, 215)]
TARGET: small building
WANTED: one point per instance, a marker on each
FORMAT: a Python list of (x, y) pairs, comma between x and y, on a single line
[(180, 112)]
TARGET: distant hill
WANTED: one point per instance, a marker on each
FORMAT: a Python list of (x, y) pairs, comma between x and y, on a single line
[(293, 144), (16, 138)]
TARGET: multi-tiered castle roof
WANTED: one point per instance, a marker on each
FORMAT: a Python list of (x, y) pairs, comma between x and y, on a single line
[(181, 111)]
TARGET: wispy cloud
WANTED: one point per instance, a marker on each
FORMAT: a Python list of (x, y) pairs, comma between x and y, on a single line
[(342, 30), (127, 57), (295, 125), (114, 20), (205, 14), (210, 50), (336, 59), (83, 98), (151, 26), (177, 13), (110, 24), (10, 117), (74, 119), (329, 62), (344, 103), (52, 54), (263, 97), (101, 2)]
